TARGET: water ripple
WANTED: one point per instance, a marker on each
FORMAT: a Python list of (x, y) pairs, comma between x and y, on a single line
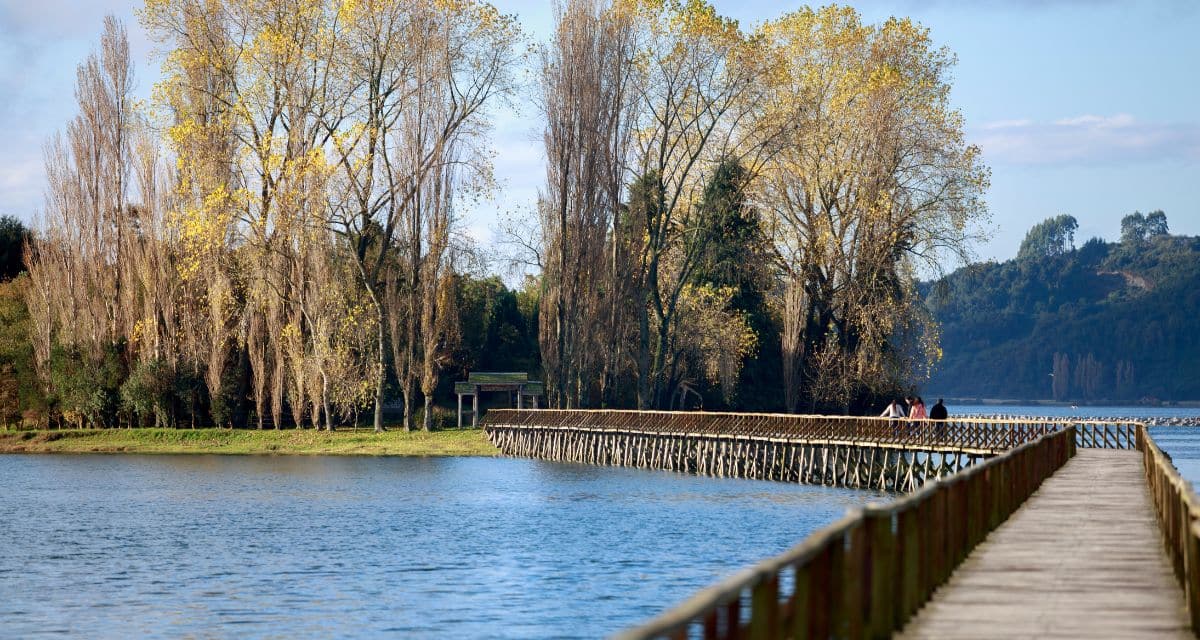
[(216, 546)]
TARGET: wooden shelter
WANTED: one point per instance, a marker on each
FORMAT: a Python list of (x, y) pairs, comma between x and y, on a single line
[(492, 381)]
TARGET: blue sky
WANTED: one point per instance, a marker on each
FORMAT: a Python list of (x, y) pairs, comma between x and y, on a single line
[(1085, 107)]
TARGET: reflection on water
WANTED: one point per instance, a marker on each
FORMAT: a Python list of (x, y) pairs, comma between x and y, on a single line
[(107, 546)]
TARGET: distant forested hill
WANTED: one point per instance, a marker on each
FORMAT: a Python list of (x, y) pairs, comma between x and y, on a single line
[(1113, 322)]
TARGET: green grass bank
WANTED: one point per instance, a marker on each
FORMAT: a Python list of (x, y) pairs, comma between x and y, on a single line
[(458, 442)]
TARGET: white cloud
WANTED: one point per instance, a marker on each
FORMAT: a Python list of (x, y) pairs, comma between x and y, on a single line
[(1088, 140)]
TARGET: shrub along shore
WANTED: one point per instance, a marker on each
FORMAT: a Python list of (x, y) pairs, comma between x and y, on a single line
[(457, 442)]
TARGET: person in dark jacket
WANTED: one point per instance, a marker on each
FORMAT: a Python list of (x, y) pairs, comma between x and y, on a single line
[(938, 412)]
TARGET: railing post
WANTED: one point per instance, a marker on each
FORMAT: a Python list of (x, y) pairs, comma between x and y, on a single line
[(837, 603), (1192, 587), (1171, 527), (937, 522), (975, 506), (909, 583), (711, 629), (1182, 529), (854, 580), (733, 619), (1000, 492), (764, 609), (881, 604), (952, 524), (801, 616), (960, 517), (1024, 480), (1012, 483)]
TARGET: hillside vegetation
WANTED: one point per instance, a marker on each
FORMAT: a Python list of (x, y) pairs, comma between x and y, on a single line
[(1104, 322)]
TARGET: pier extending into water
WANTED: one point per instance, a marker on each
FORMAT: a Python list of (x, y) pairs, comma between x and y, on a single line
[(1040, 533), (1065, 566), (861, 453)]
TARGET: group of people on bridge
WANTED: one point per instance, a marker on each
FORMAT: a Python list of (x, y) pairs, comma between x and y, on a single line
[(913, 408)]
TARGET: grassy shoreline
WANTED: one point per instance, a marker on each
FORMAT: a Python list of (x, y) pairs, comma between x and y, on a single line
[(458, 442)]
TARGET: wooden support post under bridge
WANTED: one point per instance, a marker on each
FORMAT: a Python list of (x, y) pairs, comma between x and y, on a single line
[(881, 466)]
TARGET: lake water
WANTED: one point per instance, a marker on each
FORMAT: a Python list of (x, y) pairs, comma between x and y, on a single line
[(1183, 445), (222, 546)]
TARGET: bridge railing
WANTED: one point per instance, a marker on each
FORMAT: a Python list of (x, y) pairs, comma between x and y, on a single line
[(963, 433), (1178, 511), (868, 573), (1107, 435)]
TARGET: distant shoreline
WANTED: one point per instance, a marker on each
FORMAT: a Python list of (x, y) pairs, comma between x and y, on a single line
[(1001, 402), (459, 442)]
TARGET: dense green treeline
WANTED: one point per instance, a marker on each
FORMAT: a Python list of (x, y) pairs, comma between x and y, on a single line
[(498, 325), (498, 332), (1104, 322)]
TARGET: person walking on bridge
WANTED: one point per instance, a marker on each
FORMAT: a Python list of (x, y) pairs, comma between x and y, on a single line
[(895, 410), (938, 412), (917, 411)]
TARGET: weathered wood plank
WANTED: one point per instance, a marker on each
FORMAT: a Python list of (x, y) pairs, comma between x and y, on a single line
[(1081, 558)]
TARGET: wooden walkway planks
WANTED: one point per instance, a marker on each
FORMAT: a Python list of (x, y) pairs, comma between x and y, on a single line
[(1082, 558)]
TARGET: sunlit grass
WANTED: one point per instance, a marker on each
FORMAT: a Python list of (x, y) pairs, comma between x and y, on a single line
[(456, 442)]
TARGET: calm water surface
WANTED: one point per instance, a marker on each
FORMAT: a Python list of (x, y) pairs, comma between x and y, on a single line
[(1183, 445), (216, 546)]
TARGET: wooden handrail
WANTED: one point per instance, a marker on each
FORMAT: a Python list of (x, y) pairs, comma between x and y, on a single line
[(966, 433), (1178, 511), (730, 414), (868, 573)]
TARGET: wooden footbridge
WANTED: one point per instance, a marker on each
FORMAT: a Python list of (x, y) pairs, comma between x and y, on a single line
[(1005, 528), (864, 453)]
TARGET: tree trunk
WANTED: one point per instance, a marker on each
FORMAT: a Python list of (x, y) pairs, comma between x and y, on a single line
[(406, 390), (325, 400), (643, 357), (427, 423), (380, 374)]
